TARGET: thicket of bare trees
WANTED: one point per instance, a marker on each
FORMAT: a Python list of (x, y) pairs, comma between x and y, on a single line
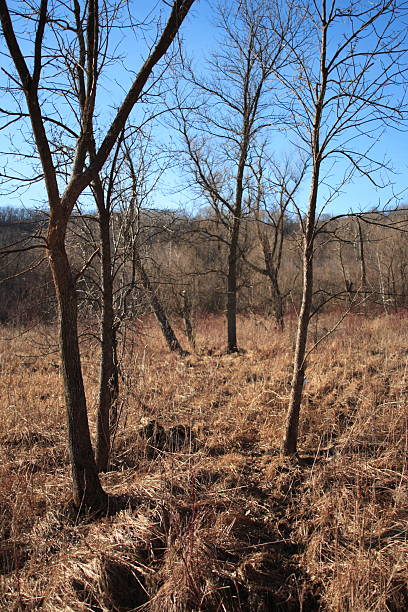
[(329, 76), (189, 262)]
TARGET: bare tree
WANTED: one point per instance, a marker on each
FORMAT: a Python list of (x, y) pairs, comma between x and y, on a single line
[(155, 303), (121, 194), (343, 88), (275, 187), (52, 21), (221, 132)]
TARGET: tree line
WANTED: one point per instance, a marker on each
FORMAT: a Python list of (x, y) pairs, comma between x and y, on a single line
[(361, 265)]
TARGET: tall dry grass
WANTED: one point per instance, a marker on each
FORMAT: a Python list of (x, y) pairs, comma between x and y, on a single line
[(212, 517)]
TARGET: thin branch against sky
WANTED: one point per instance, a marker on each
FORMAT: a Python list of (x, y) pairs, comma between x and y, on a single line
[(200, 36)]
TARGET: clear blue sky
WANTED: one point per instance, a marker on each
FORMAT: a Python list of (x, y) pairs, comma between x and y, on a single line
[(200, 36)]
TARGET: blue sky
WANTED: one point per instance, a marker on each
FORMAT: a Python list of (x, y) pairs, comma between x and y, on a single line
[(200, 36), (359, 194)]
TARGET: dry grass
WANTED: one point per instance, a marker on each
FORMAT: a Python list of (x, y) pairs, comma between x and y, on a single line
[(216, 520)]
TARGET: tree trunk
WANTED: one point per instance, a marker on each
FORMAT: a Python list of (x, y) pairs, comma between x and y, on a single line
[(232, 278), (277, 301), (272, 269), (109, 379), (382, 285), (186, 310), (277, 304), (361, 257), (87, 490), (289, 446), (168, 333), (234, 244), (299, 366)]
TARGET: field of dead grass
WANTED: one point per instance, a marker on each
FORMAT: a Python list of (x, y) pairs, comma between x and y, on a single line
[(213, 518)]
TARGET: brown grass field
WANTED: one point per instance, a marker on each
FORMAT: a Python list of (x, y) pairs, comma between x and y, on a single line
[(213, 519)]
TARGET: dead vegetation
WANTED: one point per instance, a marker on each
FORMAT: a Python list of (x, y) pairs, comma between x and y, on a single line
[(211, 517)]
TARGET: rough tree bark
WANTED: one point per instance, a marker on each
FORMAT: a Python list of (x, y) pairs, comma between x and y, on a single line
[(233, 257), (87, 490)]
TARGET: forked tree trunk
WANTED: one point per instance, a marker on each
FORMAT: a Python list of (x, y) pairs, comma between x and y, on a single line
[(277, 300), (109, 379), (87, 490), (272, 258), (168, 333)]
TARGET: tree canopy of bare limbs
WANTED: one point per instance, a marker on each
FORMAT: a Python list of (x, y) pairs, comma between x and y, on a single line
[(65, 53), (345, 84), (220, 132)]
